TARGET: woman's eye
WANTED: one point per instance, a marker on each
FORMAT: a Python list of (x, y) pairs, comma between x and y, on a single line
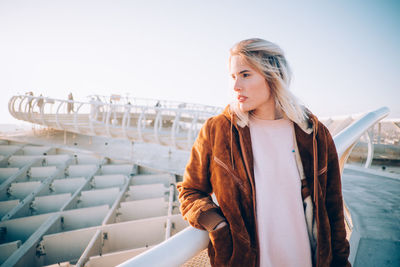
[(245, 75)]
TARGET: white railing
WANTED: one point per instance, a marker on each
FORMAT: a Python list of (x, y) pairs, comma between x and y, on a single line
[(348, 137), (186, 244), (148, 120)]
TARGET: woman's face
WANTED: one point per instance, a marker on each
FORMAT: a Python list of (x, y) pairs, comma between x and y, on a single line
[(252, 90)]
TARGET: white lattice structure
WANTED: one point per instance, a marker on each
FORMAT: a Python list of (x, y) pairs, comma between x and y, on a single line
[(57, 206), (164, 122)]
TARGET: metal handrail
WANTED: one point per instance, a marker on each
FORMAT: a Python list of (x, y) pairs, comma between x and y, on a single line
[(188, 243), (172, 252), (348, 137)]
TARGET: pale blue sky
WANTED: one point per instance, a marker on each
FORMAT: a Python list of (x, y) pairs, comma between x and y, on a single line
[(344, 54)]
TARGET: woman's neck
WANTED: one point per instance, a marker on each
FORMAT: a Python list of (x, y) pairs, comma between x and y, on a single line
[(267, 113)]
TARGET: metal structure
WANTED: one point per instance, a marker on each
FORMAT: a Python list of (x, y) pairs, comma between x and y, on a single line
[(62, 207), (164, 122)]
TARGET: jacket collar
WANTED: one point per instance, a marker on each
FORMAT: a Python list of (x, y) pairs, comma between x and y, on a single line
[(306, 125)]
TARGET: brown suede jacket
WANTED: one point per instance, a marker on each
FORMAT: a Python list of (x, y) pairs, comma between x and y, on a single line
[(221, 161)]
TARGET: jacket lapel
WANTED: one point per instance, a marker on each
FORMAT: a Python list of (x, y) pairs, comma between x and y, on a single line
[(305, 147), (246, 149)]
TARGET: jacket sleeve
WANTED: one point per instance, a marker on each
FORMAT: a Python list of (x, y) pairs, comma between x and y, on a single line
[(334, 206), (195, 191)]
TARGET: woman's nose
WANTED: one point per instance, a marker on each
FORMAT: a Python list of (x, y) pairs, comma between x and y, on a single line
[(236, 86)]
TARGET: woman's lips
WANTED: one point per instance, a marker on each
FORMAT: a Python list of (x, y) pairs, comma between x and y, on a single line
[(241, 98)]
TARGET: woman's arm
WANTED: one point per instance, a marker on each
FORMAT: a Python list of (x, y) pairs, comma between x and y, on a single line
[(195, 191), (334, 206)]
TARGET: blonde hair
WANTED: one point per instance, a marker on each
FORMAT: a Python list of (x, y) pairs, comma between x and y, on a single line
[(268, 59)]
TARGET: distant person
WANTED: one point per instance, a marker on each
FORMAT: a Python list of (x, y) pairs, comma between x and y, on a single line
[(30, 99), (70, 104), (273, 168), (40, 102)]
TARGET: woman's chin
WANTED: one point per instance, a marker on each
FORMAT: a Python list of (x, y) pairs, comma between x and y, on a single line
[(243, 107)]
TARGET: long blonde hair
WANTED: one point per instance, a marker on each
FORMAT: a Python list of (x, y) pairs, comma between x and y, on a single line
[(268, 59)]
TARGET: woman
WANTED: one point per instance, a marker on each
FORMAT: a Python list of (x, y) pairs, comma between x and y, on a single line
[(273, 169)]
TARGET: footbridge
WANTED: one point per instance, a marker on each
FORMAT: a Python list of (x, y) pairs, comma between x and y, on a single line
[(167, 123)]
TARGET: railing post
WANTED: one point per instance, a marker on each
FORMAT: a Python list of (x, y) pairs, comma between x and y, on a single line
[(127, 110), (108, 120), (175, 128), (157, 125), (76, 116), (370, 154), (190, 137), (57, 118), (140, 124)]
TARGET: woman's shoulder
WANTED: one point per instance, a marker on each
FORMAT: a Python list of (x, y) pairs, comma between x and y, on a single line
[(214, 129), (325, 138), (218, 122), (321, 127)]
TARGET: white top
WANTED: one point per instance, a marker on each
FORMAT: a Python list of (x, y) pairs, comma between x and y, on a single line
[(281, 223)]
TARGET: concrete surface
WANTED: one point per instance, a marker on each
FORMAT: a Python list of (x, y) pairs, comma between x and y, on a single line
[(374, 204)]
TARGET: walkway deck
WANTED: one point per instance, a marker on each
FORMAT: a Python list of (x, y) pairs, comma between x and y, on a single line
[(373, 199)]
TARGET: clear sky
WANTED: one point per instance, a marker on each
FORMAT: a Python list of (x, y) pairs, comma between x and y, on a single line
[(344, 54)]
